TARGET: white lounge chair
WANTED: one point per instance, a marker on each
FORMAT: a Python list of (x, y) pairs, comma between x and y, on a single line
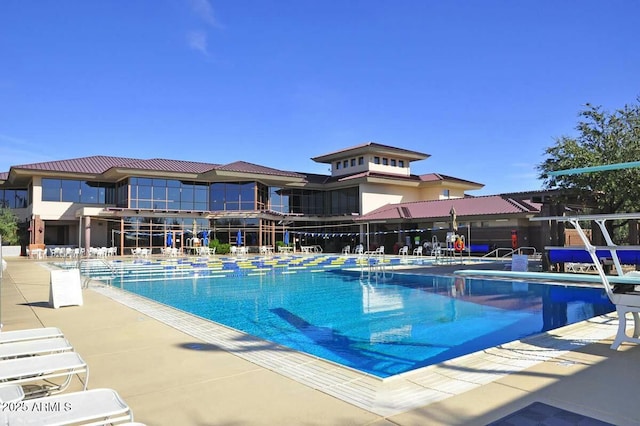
[(34, 347), (29, 334), (45, 367), (89, 407)]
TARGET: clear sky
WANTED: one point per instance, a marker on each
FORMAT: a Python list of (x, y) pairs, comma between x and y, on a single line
[(482, 86)]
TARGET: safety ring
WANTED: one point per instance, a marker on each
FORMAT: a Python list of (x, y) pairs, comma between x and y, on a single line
[(458, 245)]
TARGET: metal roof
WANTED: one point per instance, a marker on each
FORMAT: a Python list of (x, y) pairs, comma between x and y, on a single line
[(97, 164), (370, 147), (163, 164), (244, 167), (469, 206)]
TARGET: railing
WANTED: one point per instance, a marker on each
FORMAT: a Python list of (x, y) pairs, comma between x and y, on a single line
[(106, 265), (530, 251), (375, 267)]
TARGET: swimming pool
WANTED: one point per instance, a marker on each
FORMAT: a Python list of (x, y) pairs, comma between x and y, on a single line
[(380, 324)]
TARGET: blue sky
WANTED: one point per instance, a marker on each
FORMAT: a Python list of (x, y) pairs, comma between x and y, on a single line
[(482, 86)]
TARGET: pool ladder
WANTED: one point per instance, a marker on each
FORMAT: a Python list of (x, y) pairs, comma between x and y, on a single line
[(96, 265), (375, 267)]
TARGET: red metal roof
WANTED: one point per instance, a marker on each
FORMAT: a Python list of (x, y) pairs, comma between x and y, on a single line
[(469, 206), (431, 177), (92, 165), (244, 167), (164, 164), (100, 164), (371, 147)]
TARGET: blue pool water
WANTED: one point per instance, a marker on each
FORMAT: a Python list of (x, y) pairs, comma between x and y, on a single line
[(382, 327)]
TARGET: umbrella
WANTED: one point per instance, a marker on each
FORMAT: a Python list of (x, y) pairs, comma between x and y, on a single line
[(286, 238), (169, 239), (454, 219), (239, 238)]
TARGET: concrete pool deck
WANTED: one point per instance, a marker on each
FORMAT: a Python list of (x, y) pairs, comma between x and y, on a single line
[(174, 369)]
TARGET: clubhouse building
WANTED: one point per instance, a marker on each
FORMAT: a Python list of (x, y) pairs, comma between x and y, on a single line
[(370, 198)]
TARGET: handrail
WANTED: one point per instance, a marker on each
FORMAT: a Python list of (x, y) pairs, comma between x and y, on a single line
[(497, 251), (378, 268), (511, 252), (94, 260)]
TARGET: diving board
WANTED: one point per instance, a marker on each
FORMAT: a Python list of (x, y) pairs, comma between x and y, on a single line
[(591, 169), (626, 300)]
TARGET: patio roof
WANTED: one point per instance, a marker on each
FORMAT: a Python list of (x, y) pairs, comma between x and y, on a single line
[(439, 209)]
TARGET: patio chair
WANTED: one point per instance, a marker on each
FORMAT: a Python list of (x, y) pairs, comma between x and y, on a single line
[(404, 251), (34, 347), (346, 249), (359, 249), (44, 369), (417, 251), (89, 407), (29, 334)]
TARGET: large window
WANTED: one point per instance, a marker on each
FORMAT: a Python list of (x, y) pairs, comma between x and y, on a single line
[(168, 194), (78, 191), (278, 199), (344, 201), (13, 198), (232, 196)]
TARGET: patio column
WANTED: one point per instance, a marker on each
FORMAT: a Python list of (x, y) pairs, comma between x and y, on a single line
[(87, 234)]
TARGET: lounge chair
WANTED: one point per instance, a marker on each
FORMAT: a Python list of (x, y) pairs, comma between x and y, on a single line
[(45, 367), (29, 334), (34, 347), (89, 407)]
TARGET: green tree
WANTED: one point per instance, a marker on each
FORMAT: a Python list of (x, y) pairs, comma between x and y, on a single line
[(8, 226), (603, 138)]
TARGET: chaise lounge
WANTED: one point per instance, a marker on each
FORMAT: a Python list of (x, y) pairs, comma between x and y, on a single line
[(89, 407)]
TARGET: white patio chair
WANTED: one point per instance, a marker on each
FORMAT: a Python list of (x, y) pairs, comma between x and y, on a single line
[(417, 251), (359, 249), (34, 347), (404, 251), (346, 249), (29, 334), (45, 369), (89, 407)]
